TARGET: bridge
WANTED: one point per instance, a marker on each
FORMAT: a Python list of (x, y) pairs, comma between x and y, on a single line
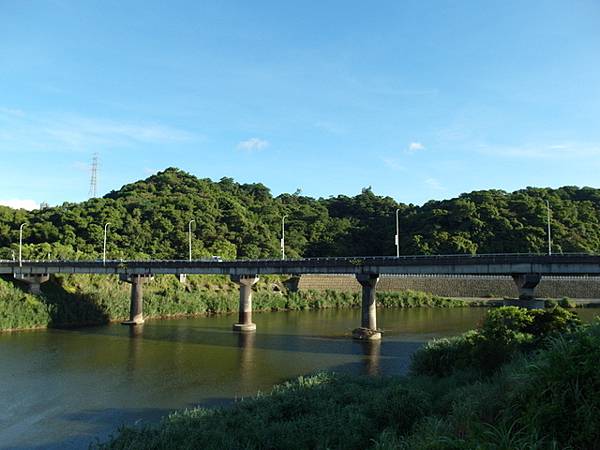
[(525, 269)]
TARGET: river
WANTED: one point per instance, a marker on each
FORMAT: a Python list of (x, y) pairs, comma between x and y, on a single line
[(65, 388)]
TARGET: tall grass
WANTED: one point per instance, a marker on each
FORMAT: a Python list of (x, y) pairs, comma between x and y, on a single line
[(73, 300), (21, 310)]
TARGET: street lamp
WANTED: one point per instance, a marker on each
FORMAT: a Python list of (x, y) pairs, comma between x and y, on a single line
[(21, 244), (283, 237), (190, 236), (549, 231), (397, 237), (105, 233)]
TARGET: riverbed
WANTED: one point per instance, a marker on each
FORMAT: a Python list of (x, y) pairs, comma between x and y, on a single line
[(65, 388)]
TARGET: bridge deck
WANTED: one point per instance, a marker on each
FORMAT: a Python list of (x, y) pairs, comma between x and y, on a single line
[(502, 264)]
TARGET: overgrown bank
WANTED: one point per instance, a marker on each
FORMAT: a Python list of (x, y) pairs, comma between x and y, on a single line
[(538, 389), (74, 300)]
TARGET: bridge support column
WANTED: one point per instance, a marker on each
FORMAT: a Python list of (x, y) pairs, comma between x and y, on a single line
[(136, 306), (33, 281), (245, 314), (526, 283), (368, 326)]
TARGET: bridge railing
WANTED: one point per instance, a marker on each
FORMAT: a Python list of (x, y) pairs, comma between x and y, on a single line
[(325, 261)]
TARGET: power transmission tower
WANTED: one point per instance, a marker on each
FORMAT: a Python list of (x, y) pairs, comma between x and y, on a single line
[(94, 178)]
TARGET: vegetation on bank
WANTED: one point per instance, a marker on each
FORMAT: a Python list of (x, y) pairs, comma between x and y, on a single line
[(74, 300), (541, 392), (149, 219)]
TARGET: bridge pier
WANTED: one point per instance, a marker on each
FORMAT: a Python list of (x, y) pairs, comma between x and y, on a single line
[(33, 281), (368, 325), (136, 306), (245, 314), (526, 284)]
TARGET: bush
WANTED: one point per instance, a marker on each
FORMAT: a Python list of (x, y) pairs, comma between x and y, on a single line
[(566, 303), (558, 392), (505, 333), (323, 411), (551, 322)]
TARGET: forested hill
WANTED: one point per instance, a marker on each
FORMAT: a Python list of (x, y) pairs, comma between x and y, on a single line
[(149, 219)]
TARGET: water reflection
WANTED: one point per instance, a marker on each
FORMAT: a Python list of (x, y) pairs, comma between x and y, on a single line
[(246, 343), (135, 330), (372, 355), (134, 348)]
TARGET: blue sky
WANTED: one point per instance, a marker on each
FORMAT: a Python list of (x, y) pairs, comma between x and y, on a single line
[(418, 99)]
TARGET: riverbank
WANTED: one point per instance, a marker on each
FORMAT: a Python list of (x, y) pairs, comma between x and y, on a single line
[(523, 380), (84, 300)]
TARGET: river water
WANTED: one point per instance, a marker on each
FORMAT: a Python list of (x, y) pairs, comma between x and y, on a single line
[(65, 388)]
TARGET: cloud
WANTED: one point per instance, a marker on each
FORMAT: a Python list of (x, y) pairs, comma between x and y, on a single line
[(415, 146), (18, 203), (20, 131), (393, 163), (555, 151), (330, 127), (12, 112), (434, 184), (253, 144)]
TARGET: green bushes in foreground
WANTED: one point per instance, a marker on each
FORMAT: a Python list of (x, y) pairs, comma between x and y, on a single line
[(505, 333), (546, 399), (75, 300)]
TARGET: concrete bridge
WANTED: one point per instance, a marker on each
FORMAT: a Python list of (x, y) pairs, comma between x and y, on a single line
[(526, 270)]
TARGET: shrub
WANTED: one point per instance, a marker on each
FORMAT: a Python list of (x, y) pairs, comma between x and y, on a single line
[(551, 322), (504, 334), (566, 303), (322, 411), (558, 392)]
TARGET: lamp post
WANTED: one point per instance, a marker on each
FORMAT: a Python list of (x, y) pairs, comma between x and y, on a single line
[(283, 237), (21, 244), (190, 236), (549, 230), (105, 233), (397, 237)]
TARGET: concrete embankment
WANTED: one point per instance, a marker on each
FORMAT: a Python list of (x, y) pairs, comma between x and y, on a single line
[(458, 286)]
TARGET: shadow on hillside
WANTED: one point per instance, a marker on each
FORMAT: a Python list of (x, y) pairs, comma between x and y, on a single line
[(69, 309)]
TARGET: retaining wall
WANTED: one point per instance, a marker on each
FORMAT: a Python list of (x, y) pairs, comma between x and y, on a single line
[(459, 286)]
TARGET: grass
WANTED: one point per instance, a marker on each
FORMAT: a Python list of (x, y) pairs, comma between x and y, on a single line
[(75, 300), (546, 396)]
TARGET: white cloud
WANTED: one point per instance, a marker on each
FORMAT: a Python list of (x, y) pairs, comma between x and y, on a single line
[(330, 127), (415, 146), (393, 163), (40, 132), (434, 184), (253, 144), (18, 203), (544, 151), (12, 112)]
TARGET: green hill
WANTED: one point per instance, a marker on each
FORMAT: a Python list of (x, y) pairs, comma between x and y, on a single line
[(149, 219)]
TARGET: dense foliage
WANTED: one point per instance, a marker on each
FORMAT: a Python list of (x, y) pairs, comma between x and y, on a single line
[(75, 300), (150, 218), (544, 400), (506, 332)]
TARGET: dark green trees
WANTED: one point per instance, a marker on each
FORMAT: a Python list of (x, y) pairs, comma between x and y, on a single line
[(149, 219)]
